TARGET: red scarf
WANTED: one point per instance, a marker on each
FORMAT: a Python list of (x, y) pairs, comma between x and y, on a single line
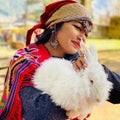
[(21, 70)]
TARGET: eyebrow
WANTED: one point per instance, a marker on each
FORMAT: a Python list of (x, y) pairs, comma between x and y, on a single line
[(78, 22)]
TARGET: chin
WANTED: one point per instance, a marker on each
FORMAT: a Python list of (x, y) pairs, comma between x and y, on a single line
[(74, 51)]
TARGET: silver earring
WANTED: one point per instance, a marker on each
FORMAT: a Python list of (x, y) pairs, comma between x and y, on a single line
[(53, 39)]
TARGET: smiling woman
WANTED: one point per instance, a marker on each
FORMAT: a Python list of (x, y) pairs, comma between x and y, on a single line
[(65, 24)]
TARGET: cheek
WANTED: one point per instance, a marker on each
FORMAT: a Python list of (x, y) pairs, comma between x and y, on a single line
[(65, 35), (65, 38), (67, 45)]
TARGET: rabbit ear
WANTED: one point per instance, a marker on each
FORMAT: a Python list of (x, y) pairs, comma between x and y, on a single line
[(86, 51), (90, 55), (93, 52), (84, 47)]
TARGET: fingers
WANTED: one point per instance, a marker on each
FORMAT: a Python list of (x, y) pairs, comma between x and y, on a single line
[(79, 64), (81, 52), (87, 116)]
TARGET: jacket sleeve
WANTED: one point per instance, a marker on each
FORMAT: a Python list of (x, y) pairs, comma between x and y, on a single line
[(39, 106), (115, 79)]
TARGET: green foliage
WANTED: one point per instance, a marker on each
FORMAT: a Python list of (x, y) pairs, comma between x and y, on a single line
[(105, 44), (115, 21), (111, 31)]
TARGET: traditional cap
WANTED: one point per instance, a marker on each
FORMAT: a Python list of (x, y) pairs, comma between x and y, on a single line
[(60, 11)]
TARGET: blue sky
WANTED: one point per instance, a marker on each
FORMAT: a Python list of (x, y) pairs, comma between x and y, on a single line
[(17, 7), (12, 7), (102, 7)]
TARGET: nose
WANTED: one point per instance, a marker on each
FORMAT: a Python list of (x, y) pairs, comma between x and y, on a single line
[(82, 37)]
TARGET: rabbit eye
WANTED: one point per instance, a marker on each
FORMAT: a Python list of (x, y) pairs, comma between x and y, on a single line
[(91, 81)]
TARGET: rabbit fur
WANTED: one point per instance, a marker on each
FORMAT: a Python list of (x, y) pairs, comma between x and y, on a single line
[(76, 92)]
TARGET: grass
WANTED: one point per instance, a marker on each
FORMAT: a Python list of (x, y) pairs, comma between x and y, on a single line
[(105, 44)]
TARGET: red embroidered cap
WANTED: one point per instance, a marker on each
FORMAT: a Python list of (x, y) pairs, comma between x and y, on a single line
[(64, 10)]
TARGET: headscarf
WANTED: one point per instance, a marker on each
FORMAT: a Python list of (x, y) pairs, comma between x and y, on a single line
[(62, 11)]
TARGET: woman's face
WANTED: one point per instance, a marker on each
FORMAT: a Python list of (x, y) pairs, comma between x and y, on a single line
[(69, 37)]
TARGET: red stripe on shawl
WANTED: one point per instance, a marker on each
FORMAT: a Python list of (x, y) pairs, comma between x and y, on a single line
[(16, 109)]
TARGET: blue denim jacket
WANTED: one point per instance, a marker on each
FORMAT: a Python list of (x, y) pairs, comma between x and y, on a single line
[(38, 106), (115, 79)]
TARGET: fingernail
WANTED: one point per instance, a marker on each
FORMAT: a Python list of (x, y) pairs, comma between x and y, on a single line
[(77, 70)]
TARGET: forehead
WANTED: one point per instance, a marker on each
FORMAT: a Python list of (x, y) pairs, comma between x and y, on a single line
[(85, 24)]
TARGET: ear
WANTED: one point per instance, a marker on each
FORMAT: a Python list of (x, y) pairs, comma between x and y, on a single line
[(93, 52)]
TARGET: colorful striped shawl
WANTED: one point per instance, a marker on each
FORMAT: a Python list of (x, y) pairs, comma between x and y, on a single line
[(20, 72)]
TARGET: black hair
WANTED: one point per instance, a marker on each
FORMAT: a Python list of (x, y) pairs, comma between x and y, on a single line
[(45, 36)]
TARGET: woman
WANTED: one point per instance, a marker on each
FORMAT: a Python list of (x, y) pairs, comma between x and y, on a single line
[(65, 23)]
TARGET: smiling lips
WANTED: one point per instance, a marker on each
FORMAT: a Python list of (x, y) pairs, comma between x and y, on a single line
[(76, 44)]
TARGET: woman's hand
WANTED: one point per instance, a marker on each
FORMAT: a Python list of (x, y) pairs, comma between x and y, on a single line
[(83, 119), (80, 63)]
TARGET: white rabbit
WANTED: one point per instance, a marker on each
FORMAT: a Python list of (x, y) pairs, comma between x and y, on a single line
[(76, 92)]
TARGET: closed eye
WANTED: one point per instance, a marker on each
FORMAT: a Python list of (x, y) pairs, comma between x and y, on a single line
[(77, 27), (80, 29)]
